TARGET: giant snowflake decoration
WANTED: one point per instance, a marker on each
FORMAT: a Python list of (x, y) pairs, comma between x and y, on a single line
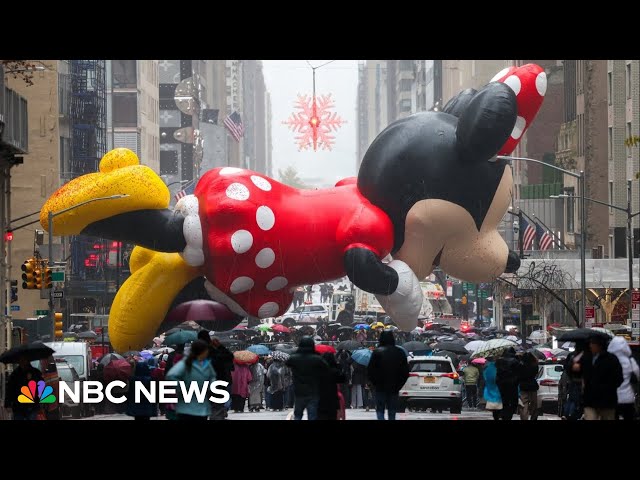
[(314, 122)]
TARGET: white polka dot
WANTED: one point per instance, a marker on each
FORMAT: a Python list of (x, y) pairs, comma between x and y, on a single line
[(237, 191), (541, 83), (276, 283), (265, 218), (499, 75), (514, 83), (241, 241), (230, 170), (268, 309), (265, 258), (241, 284), (518, 128), (261, 183)]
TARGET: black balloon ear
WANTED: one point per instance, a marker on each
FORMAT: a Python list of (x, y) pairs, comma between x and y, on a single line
[(458, 104), (487, 122)]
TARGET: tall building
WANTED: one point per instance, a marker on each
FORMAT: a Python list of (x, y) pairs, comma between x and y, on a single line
[(426, 93), (254, 115), (458, 75), (133, 109), (362, 114), (404, 79), (372, 105), (623, 110)]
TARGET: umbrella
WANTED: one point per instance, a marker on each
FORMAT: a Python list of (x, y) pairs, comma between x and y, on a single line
[(103, 338), (604, 331), (32, 351), (474, 345), (538, 354), (333, 326), (479, 361), (146, 354), (280, 355), (538, 335), (280, 328), (189, 325), (452, 355), (391, 328), (403, 349), (377, 325), (286, 348), (259, 349), (418, 330), (493, 347), (181, 337), (321, 348), (345, 329), (199, 310), (349, 345), (579, 335), (451, 347), (245, 357), (72, 335), (109, 357), (511, 338), (416, 347), (264, 327), (362, 356), (131, 353), (239, 327), (89, 334), (117, 370), (362, 326)]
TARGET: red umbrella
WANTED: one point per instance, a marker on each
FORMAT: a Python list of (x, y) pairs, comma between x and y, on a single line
[(202, 310), (280, 328), (117, 370), (240, 327), (322, 348)]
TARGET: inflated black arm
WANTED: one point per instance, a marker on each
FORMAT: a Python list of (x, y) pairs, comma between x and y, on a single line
[(368, 273), (159, 230)]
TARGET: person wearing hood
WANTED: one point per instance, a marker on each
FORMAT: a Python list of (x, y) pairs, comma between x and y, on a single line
[(308, 368), (570, 385), (329, 401), (388, 371), (507, 375), (196, 367), (144, 409), (529, 387), (602, 375), (626, 396)]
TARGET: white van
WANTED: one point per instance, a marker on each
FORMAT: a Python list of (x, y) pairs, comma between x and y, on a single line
[(77, 354)]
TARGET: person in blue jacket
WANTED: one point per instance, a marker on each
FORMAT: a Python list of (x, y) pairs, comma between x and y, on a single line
[(491, 391), (196, 367)]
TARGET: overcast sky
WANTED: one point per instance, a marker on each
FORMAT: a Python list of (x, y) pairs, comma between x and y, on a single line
[(285, 79)]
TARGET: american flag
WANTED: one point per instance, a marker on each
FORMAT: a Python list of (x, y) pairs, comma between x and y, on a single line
[(545, 241), (529, 233), (234, 123), (187, 190)]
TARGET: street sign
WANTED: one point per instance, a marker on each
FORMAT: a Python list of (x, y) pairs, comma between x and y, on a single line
[(42, 312), (58, 294), (15, 308), (589, 313), (57, 277), (635, 328)]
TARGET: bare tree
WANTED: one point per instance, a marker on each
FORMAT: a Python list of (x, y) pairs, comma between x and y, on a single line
[(545, 278), (22, 69)]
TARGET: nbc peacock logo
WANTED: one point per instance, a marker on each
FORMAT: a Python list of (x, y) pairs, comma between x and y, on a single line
[(43, 394)]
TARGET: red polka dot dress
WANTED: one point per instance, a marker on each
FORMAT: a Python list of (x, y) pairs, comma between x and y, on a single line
[(262, 238)]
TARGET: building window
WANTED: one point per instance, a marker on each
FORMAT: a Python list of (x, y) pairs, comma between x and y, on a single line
[(405, 105), (628, 80), (630, 145), (610, 140), (571, 205), (611, 254), (125, 109), (611, 196), (405, 65), (609, 87), (168, 162), (405, 85), (124, 73)]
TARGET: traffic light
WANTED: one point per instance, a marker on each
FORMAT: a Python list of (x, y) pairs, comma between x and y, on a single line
[(47, 282), (14, 291), (29, 276), (57, 325)]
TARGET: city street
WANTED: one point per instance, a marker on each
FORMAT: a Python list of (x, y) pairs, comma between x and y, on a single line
[(351, 415)]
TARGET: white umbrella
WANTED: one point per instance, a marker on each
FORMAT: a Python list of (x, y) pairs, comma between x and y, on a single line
[(474, 345), (493, 347), (538, 335), (603, 330), (511, 338)]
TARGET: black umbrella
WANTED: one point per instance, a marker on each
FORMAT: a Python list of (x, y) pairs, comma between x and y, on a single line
[(452, 355), (32, 351), (131, 353), (580, 335), (334, 326), (537, 353), (88, 334), (346, 329), (70, 335), (451, 347), (349, 345), (109, 357), (416, 347)]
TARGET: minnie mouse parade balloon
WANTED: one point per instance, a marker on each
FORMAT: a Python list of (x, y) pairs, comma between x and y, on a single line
[(430, 191)]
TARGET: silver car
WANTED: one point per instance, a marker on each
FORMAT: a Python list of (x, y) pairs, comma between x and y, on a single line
[(68, 374), (548, 379)]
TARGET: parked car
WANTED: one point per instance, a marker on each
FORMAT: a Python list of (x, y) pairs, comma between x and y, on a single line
[(433, 383), (305, 314), (548, 379), (68, 374)]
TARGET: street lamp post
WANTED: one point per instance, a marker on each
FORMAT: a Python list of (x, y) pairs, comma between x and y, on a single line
[(583, 217), (51, 216), (630, 216)]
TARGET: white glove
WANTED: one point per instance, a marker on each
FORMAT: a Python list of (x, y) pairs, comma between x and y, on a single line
[(403, 305)]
